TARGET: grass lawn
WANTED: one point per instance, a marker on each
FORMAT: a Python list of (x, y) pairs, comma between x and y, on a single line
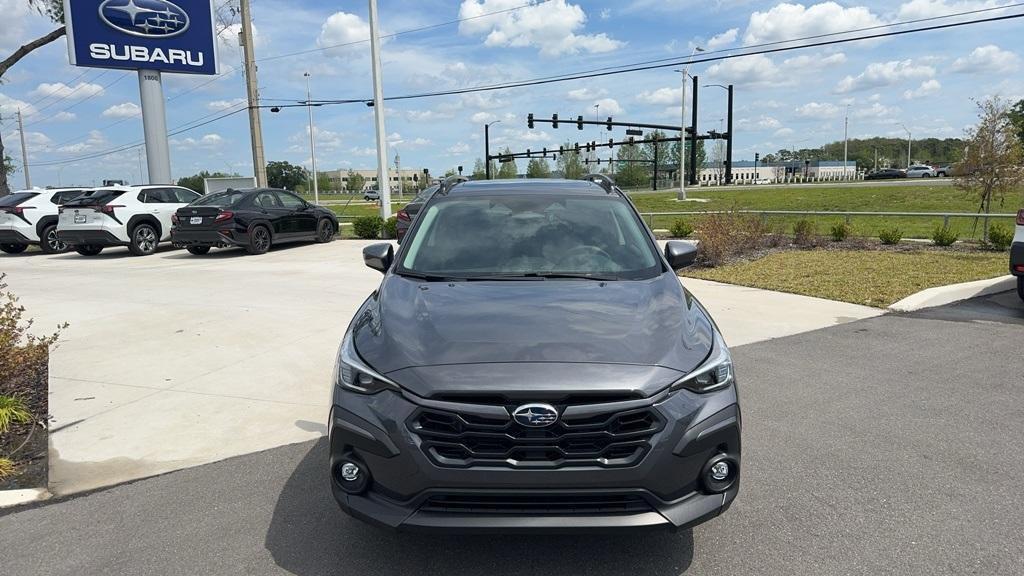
[(923, 198), (872, 278)]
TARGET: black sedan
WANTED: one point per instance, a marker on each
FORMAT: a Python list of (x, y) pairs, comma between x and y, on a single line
[(254, 219), (885, 174), (406, 215)]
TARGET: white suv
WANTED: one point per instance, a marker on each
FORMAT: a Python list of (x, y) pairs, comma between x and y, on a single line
[(30, 217), (1017, 254), (920, 171), (138, 217)]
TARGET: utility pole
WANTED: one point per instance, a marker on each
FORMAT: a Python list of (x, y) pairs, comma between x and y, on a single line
[(383, 184), (909, 140), (259, 164), (682, 127), (693, 145), (398, 170), (312, 143), (846, 140), (24, 152)]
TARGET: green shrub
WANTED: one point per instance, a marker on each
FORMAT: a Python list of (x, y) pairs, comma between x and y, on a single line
[(13, 411), (681, 229), (368, 227), (944, 236), (840, 231), (391, 227), (723, 235), (1000, 237), (804, 232), (890, 236)]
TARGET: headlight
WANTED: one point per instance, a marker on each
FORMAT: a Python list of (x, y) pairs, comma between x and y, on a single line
[(355, 375), (714, 374)]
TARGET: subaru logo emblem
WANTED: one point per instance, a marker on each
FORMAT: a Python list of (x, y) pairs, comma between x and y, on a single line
[(535, 415), (146, 18)]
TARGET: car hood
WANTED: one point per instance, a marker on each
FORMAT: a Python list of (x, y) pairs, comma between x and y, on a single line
[(639, 335)]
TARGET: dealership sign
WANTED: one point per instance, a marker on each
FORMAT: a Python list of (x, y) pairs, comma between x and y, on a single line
[(163, 35)]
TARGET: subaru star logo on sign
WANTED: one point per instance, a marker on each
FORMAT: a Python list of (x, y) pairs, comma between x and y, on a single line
[(163, 35), (535, 415)]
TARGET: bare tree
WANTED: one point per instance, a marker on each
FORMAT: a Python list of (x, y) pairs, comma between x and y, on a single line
[(991, 164), (54, 10)]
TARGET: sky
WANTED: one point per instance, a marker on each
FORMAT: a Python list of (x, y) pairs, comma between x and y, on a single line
[(797, 99)]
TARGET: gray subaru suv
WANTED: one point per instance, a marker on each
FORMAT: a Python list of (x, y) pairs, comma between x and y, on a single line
[(531, 362)]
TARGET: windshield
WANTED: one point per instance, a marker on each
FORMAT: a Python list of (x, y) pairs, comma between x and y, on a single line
[(530, 235), (94, 198), (228, 199), (16, 198)]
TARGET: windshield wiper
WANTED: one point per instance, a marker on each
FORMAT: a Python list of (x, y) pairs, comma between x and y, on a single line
[(430, 277), (543, 276)]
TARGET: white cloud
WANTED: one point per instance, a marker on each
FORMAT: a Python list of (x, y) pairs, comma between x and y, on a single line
[(877, 111), (927, 88), (609, 107), (757, 70), (761, 123), (915, 9), (126, 110), (95, 141), (228, 37), (207, 141), (584, 94), (61, 90), (805, 63), (62, 116), (221, 105), (818, 110), (16, 13), (343, 28), (660, 96), (724, 39), (551, 27), (457, 149), (878, 74), (606, 13), (988, 59), (482, 118), (9, 106), (783, 132), (429, 115), (37, 140), (787, 21)]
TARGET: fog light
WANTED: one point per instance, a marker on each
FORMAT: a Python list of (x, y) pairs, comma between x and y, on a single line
[(350, 472), (719, 471)]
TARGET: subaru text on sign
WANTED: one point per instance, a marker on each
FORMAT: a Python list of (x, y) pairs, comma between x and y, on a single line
[(161, 35)]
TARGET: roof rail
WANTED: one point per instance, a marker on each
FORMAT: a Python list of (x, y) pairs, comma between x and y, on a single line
[(603, 181), (449, 183)]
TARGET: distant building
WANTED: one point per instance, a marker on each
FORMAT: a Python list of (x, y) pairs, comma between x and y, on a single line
[(744, 171), (410, 178)]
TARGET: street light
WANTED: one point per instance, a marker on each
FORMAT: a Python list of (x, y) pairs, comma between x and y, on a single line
[(909, 140), (846, 139), (487, 148), (682, 127), (312, 142)]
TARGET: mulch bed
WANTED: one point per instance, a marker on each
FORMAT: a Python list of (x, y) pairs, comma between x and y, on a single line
[(29, 440)]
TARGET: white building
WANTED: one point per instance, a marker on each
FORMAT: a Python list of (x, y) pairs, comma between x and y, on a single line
[(408, 177)]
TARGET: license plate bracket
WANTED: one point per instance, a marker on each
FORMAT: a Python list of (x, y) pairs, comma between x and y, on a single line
[(195, 220), (79, 218)]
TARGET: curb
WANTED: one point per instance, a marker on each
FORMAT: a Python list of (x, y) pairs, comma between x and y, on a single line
[(942, 295), (9, 498)]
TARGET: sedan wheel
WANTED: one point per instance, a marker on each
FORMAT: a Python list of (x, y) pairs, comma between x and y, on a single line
[(144, 240), (14, 248), (325, 231), (51, 244), (259, 240)]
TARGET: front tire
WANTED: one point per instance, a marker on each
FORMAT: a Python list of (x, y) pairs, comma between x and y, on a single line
[(325, 231), (89, 250), (144, 240), (198, 250), (50, 243), (14, 248), (259, 241)]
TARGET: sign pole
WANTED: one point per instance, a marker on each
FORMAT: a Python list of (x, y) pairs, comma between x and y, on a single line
[(383, 184), (24, 152), (154, 126)]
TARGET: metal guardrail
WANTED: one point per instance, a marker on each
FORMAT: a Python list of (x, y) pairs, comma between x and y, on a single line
[(649, 216)]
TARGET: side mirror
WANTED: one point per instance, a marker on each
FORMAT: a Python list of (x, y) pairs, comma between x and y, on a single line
[(379, 256), (680, 254)]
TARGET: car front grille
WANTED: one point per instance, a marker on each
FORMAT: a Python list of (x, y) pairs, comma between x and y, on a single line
[(610, 440), (536, 504)]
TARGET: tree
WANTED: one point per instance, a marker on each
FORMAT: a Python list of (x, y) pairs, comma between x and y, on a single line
[(8, 167), (54, 10), (479, 170), (570, 164), (538, 168), (631, 169), (991, 164), (664, 154), (1017, 119), (355, 182), (283, 174), (324, 184), (508, 170), (195, 182)]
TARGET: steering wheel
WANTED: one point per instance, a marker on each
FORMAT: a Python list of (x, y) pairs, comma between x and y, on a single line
[(585, 251)]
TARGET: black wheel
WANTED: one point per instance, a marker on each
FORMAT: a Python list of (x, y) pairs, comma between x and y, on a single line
[(88, 249), (14, 248), (1020, 287), (325, 231), (259, 240), (198, 250), (49, 243), (144, 240)]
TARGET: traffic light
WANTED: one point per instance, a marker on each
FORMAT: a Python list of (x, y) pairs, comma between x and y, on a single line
[(608, 124), (529, 121), (579, 122), (611, 142), (757, 156), (554, 120)]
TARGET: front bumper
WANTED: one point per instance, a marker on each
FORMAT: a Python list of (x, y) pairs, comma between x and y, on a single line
[(1017, 259), (89, 238), (408, 490), (212, 238)]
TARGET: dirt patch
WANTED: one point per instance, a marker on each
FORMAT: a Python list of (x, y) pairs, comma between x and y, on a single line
[(27, 444)]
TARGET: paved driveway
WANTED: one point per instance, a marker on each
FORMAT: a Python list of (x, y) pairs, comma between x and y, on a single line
[(175, 360), (883, 446)]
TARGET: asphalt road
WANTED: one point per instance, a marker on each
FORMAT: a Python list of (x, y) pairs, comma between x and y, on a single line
[(883, 446)]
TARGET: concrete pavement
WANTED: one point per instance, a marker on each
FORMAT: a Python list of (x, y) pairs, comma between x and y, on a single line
[(175, 360), (874, 447)]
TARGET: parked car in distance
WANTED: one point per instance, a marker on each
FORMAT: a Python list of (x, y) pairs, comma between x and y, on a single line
[(1017, 254), (29, 217), (762, 181), (406, 215), (138, 217), (477, 390), (371, 195), (943, 171), (254, 219), (920, 171), (885, 174)]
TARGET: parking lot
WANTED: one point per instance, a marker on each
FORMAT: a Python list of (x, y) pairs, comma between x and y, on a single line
[(895, 456)]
